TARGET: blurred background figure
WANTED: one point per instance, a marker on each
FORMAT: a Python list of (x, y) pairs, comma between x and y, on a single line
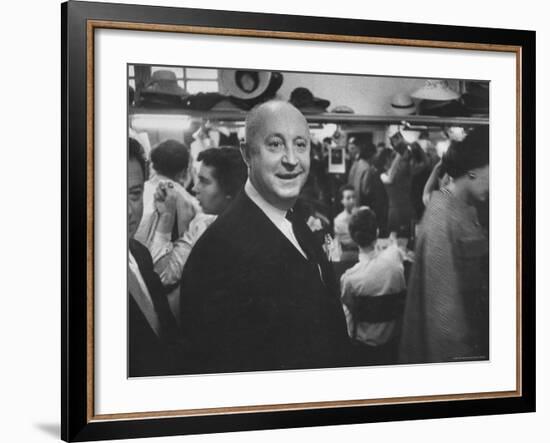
[(170, 162), (163, 224), (221, 177), (446, 315), (421, 167), (365, 179), (341, 224), (397, 181), (379, 272)]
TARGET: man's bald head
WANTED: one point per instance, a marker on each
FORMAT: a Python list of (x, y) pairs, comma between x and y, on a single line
[(263, 112)]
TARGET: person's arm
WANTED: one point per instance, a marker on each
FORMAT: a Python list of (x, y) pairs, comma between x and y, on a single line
[(347, 305), (389, 177), (170, 264), (169, 257), (431, 184)]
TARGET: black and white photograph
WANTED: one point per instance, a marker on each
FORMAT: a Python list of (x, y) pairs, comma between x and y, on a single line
[(284, 220)]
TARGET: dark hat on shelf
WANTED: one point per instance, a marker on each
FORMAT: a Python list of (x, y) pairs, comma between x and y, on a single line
[(476, 97), (306, 102), (163, 82), (163, 89), (438, 108)]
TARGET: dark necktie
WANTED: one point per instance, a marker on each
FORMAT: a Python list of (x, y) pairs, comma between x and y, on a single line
[(300, 232)]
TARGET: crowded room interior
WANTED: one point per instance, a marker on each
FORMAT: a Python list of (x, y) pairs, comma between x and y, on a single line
[(294, 220)]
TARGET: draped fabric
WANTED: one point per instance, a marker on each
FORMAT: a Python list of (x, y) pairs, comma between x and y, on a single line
[(446, 314)]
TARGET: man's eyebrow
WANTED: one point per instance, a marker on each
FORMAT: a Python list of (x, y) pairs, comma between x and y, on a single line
[(281, 135), (136, 186)]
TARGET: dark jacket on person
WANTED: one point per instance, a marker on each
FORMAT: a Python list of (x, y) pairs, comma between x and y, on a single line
[(148, 353), (370, 191), (251, 301)]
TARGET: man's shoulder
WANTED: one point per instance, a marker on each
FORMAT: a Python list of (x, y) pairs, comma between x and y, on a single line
[(229, 233)]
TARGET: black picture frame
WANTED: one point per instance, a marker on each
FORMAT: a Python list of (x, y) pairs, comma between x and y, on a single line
[(78, 422)]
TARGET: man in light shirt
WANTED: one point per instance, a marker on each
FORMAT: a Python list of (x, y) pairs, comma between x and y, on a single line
[(379, 272), (257, 291)]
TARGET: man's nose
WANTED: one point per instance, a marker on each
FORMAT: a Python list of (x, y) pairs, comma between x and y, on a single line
[(290, 160)]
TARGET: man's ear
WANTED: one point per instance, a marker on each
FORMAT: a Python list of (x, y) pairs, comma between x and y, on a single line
[(245, 153)]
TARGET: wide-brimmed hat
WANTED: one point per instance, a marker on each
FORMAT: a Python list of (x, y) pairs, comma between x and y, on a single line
[(436, 90), (342, 109), (439, 108), (163, 82), (232, 82), (306, 102), (402, 104), (476, 97)]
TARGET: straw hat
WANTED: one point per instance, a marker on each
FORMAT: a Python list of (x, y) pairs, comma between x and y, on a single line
[(402, 104), (435, 90)]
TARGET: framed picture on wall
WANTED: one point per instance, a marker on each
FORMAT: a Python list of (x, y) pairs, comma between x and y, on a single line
[(277, 221)]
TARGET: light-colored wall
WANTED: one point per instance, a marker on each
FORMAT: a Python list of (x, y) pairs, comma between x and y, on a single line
[(365, 95)]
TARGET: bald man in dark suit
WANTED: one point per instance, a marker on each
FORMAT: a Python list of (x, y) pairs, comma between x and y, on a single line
[(257, 291)]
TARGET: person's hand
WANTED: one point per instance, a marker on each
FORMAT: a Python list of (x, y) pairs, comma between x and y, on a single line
[(185, 213), (398, 143), (165, 199)]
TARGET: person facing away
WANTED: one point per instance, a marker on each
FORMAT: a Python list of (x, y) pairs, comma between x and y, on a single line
[(341, 224), (446, 314), (152, 331), (170, 161), (257, 291), (365, 178), (160, 232), (378, 272), (397, 182)]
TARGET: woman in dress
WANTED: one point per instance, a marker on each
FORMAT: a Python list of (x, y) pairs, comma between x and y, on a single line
[(446, 314)]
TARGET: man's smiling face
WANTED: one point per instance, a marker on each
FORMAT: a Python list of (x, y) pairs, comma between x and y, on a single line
[(278, 152)]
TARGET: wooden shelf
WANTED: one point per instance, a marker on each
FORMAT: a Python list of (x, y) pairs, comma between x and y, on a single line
[(236, 116)]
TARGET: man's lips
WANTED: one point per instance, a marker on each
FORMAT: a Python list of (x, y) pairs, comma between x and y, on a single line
[(288, 175)]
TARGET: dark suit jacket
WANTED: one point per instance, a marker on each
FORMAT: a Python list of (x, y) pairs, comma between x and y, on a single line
[(149, 354), (250, 301), (370, 191)]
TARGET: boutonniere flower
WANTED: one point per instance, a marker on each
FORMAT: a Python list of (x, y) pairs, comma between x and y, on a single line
[(314, 224)]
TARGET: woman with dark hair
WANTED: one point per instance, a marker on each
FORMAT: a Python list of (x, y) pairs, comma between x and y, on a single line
[(446, 314)]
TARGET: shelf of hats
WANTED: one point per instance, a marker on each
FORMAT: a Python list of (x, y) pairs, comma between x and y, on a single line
[(186, 103), (207, 107)]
